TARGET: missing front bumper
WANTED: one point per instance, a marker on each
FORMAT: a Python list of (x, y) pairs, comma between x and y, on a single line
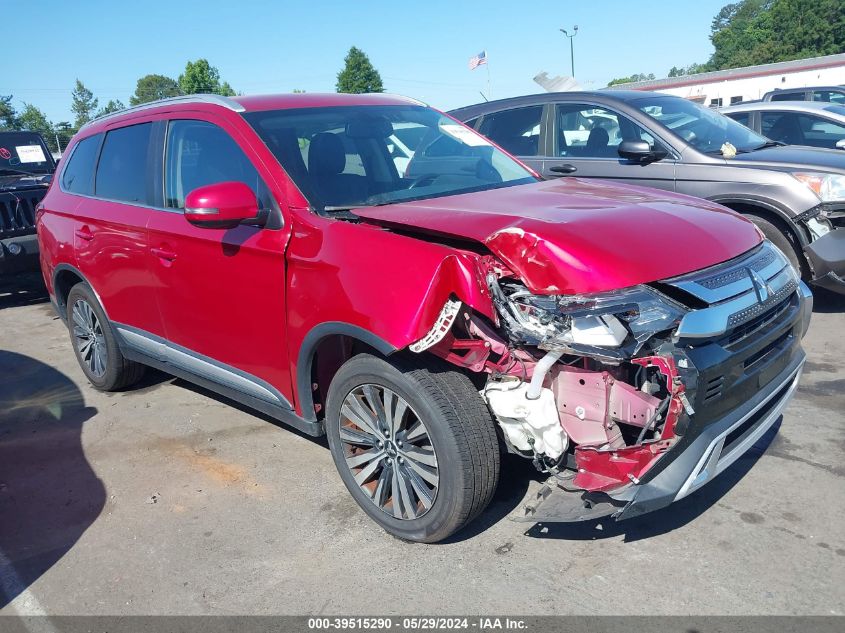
[(713, 450), (827, 259)]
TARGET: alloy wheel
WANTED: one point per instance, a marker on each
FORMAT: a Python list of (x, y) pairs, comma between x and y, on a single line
[(89, 338), (389, 452)]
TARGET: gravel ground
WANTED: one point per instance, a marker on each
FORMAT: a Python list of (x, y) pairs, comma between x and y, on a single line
[(167, 499)]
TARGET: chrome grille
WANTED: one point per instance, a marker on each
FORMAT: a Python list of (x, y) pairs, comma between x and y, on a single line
[(736, 292)]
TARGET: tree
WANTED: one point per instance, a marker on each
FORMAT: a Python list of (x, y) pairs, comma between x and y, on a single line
[(114, 105), (84, 104), (8, 116), (152, 87), (358, 74), (753, 32), (33, 119), (692, 69), (631, 79), (200, 77)]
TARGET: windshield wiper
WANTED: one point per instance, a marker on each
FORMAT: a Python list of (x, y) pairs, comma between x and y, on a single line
[(768, 144), (17, 172)]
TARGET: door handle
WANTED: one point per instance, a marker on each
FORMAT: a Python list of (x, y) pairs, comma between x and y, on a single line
[(84, 233), (163, 254), (566, 168)]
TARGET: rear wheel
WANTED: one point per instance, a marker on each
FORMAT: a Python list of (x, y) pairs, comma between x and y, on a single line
[(95, 345), (415, 445)]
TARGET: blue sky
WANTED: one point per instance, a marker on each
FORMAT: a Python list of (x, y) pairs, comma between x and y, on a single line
[(421, 49)]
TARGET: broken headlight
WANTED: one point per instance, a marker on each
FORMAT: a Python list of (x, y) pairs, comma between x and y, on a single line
[(604, 319)]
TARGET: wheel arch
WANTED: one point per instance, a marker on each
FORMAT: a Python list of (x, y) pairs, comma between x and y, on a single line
[(66, 277), (323, 350), (768, 210)]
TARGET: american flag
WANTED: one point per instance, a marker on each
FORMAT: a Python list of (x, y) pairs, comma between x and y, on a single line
[(478, 60)]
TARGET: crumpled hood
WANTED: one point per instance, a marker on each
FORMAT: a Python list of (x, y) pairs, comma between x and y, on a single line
[(575, 236)]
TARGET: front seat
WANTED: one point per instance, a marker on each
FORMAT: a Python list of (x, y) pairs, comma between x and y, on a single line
[(787, 130), (326, 162), (597, 142)]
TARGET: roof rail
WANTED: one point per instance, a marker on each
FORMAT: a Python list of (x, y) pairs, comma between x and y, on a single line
[(226, 102)]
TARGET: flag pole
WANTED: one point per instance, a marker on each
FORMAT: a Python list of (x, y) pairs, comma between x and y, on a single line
[(487, 63)]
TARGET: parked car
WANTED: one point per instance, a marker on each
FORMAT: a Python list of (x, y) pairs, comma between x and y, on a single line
[(631, 343), (832, 94), (795, 195), (26, 168), (809, 123)]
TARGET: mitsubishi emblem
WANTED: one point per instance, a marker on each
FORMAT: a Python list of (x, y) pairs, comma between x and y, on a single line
[(761, 287)]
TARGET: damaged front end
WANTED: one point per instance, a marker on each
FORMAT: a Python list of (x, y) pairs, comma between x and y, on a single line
[(634, 398)]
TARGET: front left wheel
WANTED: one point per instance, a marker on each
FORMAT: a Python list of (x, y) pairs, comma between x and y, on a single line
[(414, 443)]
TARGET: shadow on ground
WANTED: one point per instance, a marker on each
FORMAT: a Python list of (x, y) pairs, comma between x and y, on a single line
[(22, 289), (49, 494), (667, 519), (825, 301)]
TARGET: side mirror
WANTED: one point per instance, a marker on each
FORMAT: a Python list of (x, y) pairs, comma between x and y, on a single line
[(223, 205), (640, 151), (840, 144)]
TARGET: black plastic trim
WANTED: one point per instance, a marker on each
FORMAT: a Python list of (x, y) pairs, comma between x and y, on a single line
[(309, 347)]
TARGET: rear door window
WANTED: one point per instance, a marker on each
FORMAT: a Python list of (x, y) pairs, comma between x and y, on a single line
[(78, 175), (122, 170), (743, 118), (788, 96), (517, 130)]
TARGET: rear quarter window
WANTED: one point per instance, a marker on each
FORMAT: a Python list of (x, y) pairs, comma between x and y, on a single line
[(122, 169), (78, 175)]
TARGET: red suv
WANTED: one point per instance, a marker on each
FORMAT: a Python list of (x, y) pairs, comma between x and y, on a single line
[(367, 267)]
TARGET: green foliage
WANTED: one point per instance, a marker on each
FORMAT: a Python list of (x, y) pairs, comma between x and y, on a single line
[(358, 74), (692, 69), (114, 105), (152, 87), (33, 119), (84, 104), (200, 77), (632, 78), (8, 116), (753, 32)]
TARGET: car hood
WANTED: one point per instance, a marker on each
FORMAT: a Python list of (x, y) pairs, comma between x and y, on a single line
[(794, 156), (576, 236)]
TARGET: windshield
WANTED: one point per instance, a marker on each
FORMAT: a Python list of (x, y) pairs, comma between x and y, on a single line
[(24, 152), (354, 156), (705, 129)]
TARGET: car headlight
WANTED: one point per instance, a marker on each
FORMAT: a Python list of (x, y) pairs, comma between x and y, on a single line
[(828, 187), (603, 319)]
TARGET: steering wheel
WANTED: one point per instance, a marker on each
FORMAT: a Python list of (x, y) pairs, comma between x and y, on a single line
[(419, 181)]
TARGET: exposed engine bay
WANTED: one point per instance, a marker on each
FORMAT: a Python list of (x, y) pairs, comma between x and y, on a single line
[(585, 383)]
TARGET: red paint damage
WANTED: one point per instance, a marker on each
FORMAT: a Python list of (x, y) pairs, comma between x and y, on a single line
[(605, 469)]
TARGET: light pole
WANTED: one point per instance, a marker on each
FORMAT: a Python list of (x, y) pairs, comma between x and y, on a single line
[(571, 46)]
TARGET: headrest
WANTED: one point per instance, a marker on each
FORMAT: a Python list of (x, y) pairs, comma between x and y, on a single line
[(326, 155)]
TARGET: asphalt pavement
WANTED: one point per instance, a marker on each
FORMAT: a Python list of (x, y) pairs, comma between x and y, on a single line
[(168, 499)]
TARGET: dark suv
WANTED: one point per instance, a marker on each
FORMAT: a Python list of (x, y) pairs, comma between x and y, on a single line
[(26, 169), (424, 313)]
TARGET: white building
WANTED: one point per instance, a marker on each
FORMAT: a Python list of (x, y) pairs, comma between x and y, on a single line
[(724, 87)]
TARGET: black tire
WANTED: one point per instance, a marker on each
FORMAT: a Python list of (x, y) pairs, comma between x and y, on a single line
[(785, 242), (461, 431), (117, 372)]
